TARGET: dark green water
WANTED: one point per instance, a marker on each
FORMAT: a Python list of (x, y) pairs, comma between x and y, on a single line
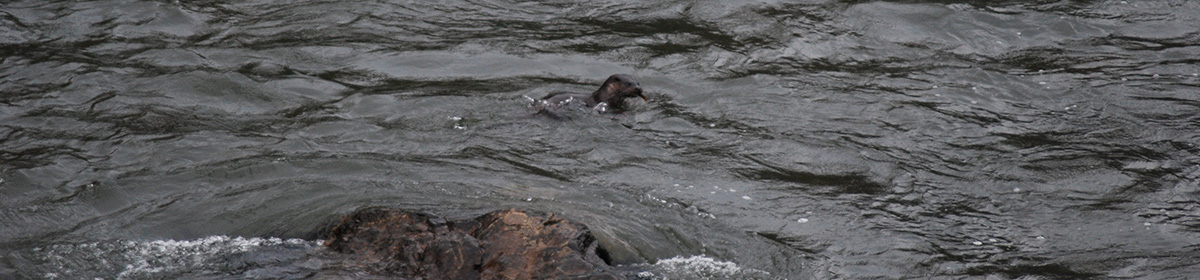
[(789, 140)]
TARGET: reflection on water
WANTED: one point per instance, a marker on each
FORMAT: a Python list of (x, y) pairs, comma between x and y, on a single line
[(812, 139)]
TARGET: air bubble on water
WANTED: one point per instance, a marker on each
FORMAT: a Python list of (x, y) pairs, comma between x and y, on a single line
[(712, 125), (1146, 224), (993, 240), (935, 86), (457, 125), (746, 197), (529, 199), (1041, 70), (676, 185), (601, 107), (1018, 33), (712, 192), (732, 190), (974, 102), (937, 94), (1124, 79), (691, 187), (1041, 83), (716, 187), (1155, 75), (1016, 189), (974, 88), (977, 242), (802, 220), (1039, 237)]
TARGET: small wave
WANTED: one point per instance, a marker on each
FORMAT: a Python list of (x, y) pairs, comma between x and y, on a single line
[(165, 258), (158, 256), (700, 267)]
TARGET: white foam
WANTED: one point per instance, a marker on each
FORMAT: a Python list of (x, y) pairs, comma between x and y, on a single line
[(157, 256), (151, 259), (699, 263), (705, 267)]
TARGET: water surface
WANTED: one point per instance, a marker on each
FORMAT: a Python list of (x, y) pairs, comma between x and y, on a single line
[(793, 140)]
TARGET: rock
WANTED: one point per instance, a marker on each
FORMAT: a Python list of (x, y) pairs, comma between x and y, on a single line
[(505, 244)]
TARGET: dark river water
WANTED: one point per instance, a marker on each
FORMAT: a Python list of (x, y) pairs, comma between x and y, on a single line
[(781, 140)]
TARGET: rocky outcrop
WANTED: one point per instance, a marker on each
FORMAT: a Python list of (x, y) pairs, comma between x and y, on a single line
[(505, 244)]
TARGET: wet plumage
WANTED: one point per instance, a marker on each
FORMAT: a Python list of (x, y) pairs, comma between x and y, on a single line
[(610, 97)]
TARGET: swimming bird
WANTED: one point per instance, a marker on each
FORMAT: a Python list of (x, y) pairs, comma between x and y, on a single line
[(610, 97)]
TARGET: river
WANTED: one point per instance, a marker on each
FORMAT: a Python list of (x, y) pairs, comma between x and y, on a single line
[(813, 139)]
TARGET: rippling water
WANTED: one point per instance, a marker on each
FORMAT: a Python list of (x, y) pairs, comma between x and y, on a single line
[(807, 139)]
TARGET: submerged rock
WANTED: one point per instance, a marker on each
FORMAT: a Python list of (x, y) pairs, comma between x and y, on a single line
[(505, 244)]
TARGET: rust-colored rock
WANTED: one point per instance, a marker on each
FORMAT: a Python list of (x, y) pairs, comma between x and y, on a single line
[(505, 244)]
